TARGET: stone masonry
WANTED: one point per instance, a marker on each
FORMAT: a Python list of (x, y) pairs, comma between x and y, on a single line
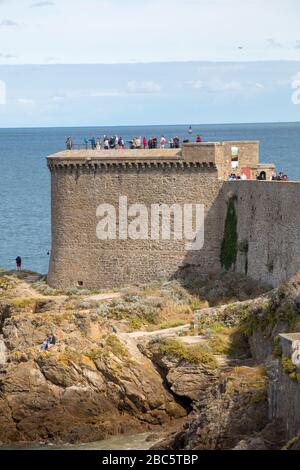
[(81, 180)]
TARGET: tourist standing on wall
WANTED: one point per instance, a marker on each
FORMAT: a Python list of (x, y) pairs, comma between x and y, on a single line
[(121, 143), (162, 142), (106, 143), (176, 142), (69, 143), (198, 139), (93, 142), (145, 142), (138, 142), (171, 143)]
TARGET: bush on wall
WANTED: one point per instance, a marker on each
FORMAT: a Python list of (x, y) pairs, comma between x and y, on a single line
[(229, 246)]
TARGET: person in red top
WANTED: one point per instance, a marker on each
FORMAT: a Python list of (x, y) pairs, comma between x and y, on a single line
[(198, 139), (145, 142), (162, 142)]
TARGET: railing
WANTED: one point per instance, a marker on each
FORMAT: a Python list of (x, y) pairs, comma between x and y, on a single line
[(84, 146)]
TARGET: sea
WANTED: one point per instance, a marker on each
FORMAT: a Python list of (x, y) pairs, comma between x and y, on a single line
[(25, 228)]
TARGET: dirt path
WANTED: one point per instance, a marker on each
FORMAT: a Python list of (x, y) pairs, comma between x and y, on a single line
[(108, 296), (131, 340)]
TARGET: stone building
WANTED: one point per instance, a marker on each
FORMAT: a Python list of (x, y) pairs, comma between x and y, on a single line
[(84, 180)]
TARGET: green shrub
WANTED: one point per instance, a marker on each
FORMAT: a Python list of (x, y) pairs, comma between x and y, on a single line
[(229, 246), (116, 347), (170, 324), (290, 369), (229, 341), (191, 353)]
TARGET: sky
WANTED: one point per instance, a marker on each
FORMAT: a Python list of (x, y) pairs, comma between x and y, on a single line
[(149, 61)]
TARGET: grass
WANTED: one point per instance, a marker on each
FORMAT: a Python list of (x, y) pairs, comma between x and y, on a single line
[(146, 313), (276, 312), (223, 288), (290, 316), (190, 353), (116, 347), (69, 355), (228, 341), (170, 324), (290, 369), (23, 303), (248, 380)]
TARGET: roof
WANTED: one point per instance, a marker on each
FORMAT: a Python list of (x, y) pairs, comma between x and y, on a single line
[(135, 154)]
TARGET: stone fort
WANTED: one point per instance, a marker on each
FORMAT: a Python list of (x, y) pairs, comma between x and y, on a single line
[(266, 231)]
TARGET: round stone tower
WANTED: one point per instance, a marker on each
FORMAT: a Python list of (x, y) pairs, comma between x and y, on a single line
[(88, 188)]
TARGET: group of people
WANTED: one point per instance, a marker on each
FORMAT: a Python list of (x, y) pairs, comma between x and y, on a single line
[(50, 340), (280, 177), (234, 177), (116, 142), (261, 177)]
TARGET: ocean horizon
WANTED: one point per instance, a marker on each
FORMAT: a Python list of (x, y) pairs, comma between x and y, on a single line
[(25, 180)]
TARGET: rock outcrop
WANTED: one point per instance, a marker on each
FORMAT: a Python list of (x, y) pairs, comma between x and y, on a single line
[(128, 361), (86, 387), (249, 407)]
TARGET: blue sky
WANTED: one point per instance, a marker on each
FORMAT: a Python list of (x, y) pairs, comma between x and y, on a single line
[(150, 61)]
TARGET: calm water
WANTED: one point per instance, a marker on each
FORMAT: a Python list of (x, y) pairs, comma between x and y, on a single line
[(134, 442), (25, 181)]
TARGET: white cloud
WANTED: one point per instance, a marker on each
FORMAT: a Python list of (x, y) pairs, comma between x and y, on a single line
[(26, 101), (107, 93), (259, 85), (42, 4), (274, 44), (296, 81), (225, 25), (2, 92), (57, 99), (8, 24), (7, 56), (143, 87), (195, 84), (219, 85), (133, 87)]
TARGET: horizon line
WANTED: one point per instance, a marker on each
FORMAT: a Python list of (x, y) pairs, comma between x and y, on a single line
[(155, 62), (151, 125)]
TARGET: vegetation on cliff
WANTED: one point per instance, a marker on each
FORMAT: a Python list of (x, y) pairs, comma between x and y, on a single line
[(129, 360), (229, 246)]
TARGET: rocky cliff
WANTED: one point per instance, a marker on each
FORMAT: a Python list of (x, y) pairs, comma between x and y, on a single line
[(86, 387), (254, 406), (131, 360)]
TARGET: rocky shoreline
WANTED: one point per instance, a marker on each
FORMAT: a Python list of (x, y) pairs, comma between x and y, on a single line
[(132, 361)]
